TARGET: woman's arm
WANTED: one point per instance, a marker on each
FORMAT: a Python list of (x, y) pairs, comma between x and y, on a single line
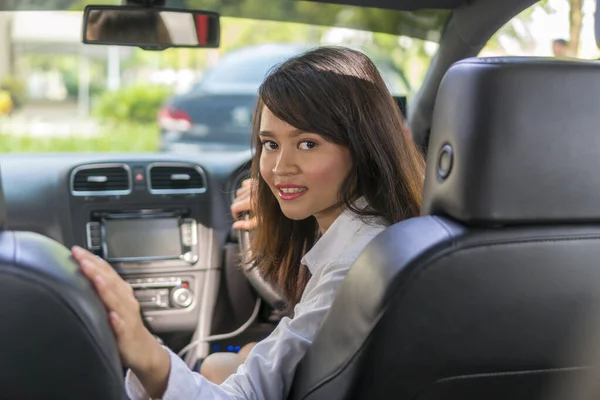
[(154, 376), (138, 348), (269, 369)]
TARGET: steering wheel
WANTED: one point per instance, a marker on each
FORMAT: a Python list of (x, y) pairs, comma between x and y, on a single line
[(265, 289)]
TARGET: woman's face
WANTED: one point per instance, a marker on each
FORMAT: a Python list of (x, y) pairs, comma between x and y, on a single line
[(303, 170)]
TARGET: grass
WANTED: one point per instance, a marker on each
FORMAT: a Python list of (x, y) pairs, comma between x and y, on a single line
[(118, 138)]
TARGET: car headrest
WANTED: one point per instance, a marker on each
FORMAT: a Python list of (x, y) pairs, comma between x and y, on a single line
[(514, 141), (54, 332)]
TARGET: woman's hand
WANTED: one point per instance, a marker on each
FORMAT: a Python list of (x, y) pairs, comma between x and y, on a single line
[(242, 204), (138, 348)]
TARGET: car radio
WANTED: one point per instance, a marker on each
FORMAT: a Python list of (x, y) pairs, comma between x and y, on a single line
[(143, 236), (162, 293)]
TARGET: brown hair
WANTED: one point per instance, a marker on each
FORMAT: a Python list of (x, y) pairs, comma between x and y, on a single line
[(339, 94)]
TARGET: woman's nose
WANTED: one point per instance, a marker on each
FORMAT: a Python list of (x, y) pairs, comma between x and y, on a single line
[(285, 164)]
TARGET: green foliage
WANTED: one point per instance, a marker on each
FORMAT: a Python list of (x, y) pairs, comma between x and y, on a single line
[(71, 80), (123, 137), (136, 103), (16, 88), (423, 24), (67, 66), (238, 32), (35, 5), (79, 5)]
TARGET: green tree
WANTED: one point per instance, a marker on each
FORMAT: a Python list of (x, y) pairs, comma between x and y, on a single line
[(419, 23), (575, 20), (78, 5), (237, 32), (12, 5), (423, 24)]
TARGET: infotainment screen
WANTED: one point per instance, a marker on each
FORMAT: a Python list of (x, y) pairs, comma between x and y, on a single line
[(142, 238)]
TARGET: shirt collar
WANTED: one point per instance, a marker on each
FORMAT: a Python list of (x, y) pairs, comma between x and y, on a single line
[(336, 238)]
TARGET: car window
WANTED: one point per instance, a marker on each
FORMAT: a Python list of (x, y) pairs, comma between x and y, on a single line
[(255, 67), (549, 28), (58, 95)]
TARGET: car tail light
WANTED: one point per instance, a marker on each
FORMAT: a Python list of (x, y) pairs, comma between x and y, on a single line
[(172, 119)]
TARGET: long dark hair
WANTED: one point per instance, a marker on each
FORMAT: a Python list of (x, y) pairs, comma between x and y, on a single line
[(339, 94)]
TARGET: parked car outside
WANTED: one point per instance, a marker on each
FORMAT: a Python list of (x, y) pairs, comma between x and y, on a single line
[(217, 111)]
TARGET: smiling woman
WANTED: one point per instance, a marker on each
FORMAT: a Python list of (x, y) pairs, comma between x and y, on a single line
[(339, 137), (333, 161)]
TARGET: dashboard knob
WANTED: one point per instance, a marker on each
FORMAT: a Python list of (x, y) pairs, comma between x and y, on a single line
[(181, 297), (190, 257)]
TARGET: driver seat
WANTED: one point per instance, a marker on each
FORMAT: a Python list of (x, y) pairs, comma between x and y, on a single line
[(492, 292), (55, 339)]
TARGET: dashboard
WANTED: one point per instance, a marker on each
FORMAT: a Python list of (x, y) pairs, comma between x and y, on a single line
[(161, 220)]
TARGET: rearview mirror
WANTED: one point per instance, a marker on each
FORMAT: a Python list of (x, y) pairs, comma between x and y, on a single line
[(150, 28)]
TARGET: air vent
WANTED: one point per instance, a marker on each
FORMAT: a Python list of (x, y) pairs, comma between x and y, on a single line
[(176, 178), (101, 180)]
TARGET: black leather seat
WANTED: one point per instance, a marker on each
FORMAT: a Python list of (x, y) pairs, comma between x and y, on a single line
[(488, 294), (55, 340)]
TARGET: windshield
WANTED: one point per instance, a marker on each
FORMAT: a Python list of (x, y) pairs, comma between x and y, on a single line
[(59, 95)]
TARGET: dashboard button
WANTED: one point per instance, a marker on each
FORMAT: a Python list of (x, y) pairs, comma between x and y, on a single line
[(189, 232), (190, 257), (93, 235), (181, 297)]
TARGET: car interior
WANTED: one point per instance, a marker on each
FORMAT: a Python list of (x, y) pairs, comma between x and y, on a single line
[(492, 293)]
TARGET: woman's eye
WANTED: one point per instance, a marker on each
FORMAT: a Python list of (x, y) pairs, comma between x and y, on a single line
[(307, 145), (269, 145)]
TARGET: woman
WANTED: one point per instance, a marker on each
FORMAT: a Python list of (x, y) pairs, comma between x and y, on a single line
[(332, 158)]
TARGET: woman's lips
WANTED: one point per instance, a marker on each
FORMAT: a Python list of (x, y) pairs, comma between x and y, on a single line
[(291, 192)]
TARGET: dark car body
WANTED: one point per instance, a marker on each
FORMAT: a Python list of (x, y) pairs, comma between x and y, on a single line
[(217, 111)]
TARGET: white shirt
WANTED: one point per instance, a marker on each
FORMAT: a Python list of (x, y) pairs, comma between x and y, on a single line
[(269, 369)]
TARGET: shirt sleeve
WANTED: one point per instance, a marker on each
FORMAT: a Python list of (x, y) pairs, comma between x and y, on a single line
[(182, 384), (269, 369)]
